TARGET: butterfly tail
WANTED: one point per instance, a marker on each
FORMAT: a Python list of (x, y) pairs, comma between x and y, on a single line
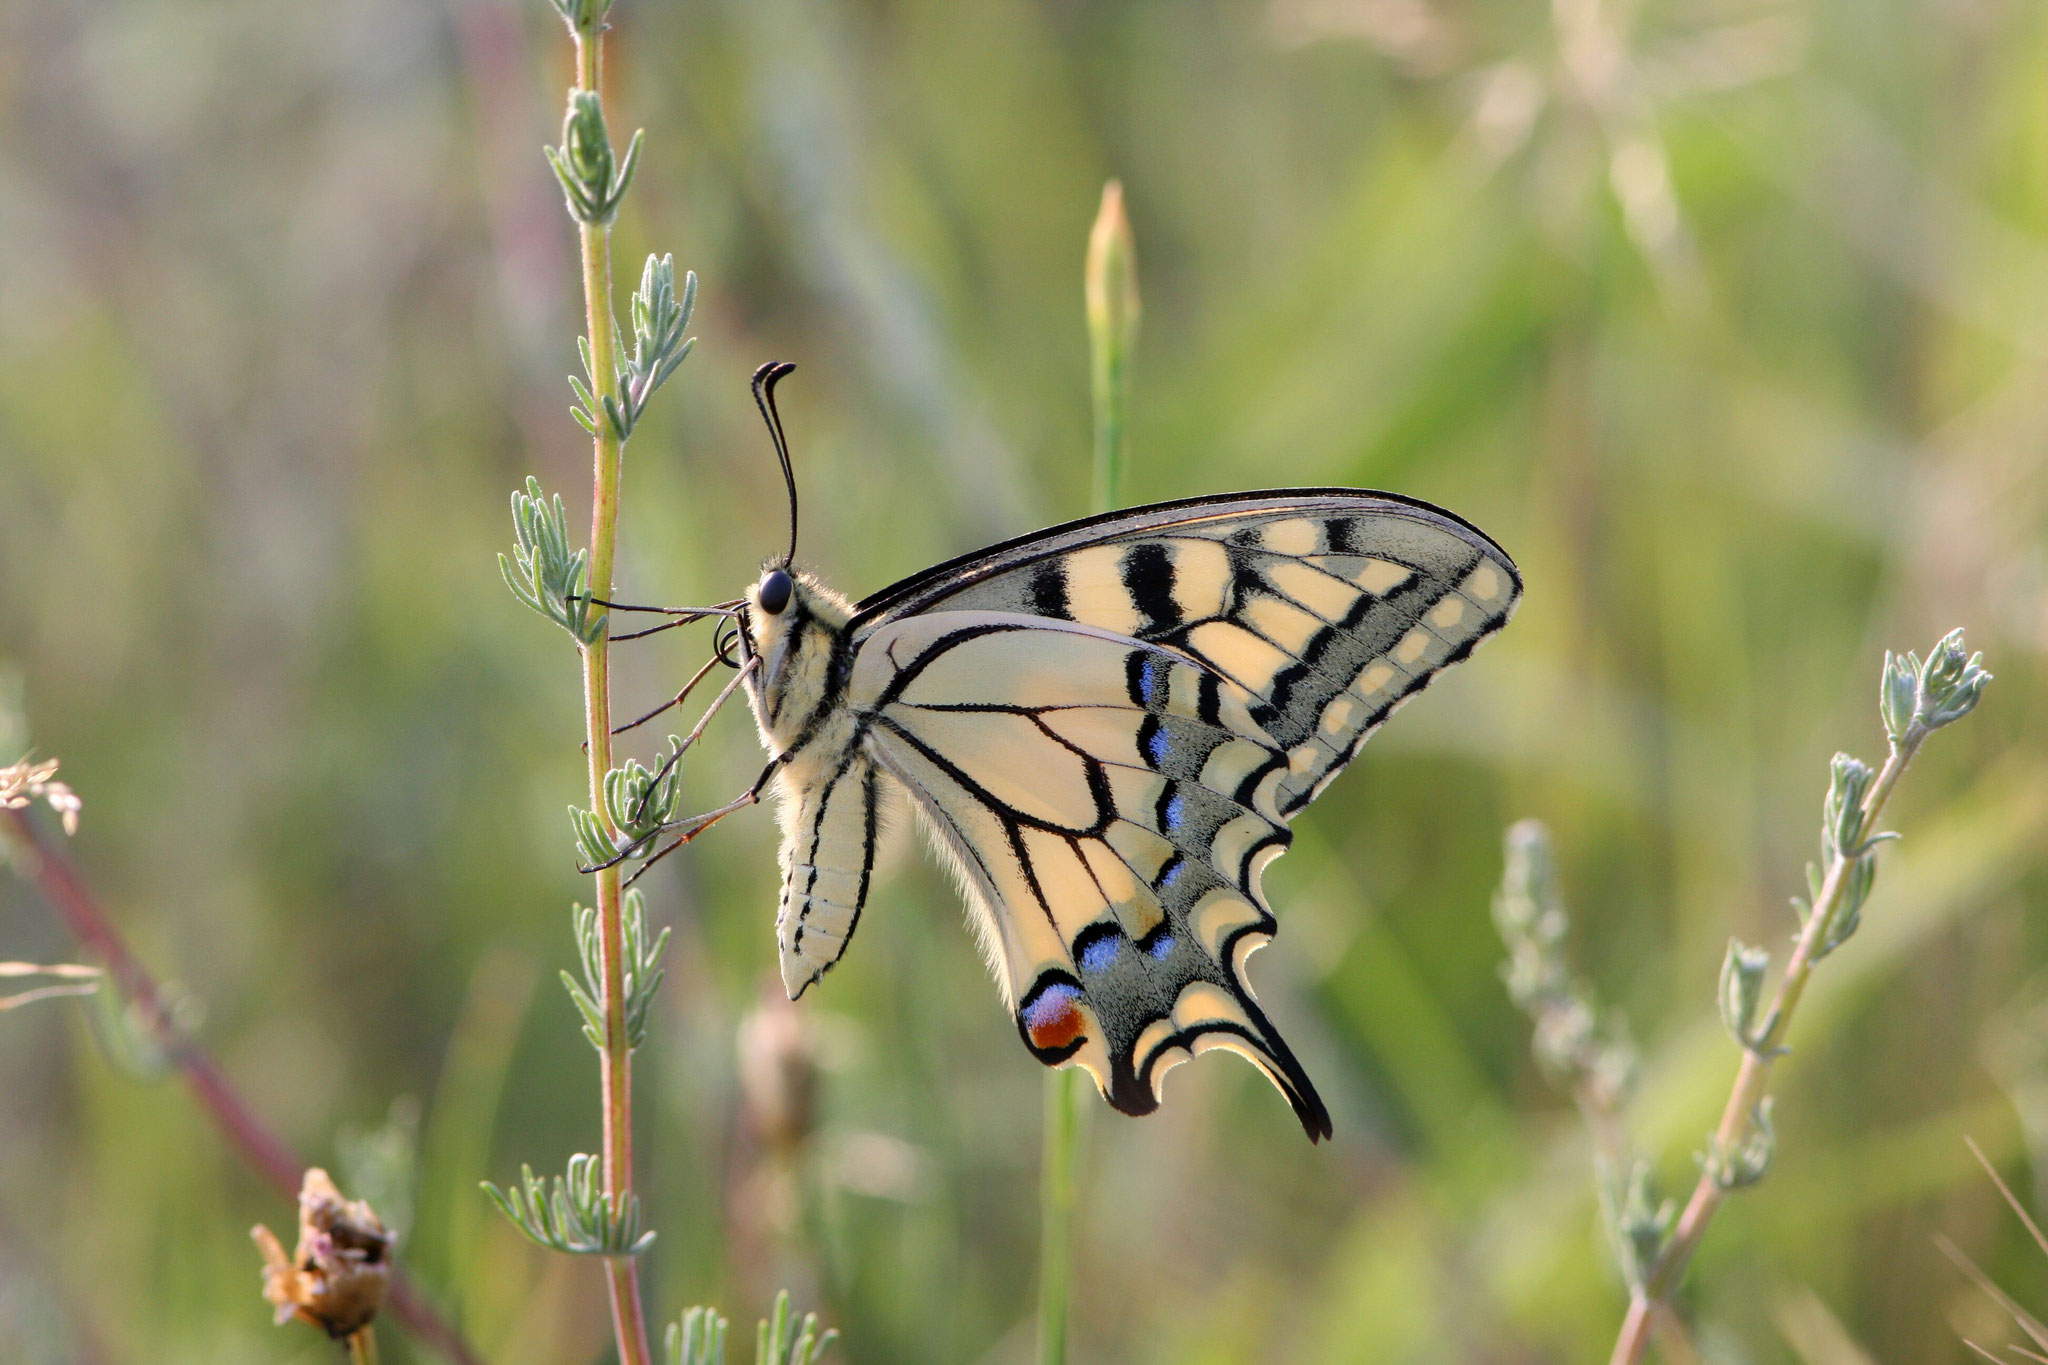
[(1261, 1044), (1207, 1016)]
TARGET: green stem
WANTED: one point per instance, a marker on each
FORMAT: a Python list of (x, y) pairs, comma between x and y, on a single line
[(615, 1061), (1110, 379), (1056, 1212), (1649, 1302), (1110, 289)]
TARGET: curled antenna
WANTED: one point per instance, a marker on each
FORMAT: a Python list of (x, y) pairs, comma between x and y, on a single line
[(765, 380)]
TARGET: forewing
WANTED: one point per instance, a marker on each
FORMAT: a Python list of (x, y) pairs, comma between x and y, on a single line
[(1327, 607), (1090, 787)]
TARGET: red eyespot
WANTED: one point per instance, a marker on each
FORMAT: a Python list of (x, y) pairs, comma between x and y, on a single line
[(1053, 1019)]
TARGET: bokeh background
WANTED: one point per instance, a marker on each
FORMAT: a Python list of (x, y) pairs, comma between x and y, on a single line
[(1725, 316)]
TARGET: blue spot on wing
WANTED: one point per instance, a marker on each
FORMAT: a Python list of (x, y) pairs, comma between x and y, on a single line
[(1175, 811), (1152, 681), (1157, 747), (1099, 953), (1161, 947)]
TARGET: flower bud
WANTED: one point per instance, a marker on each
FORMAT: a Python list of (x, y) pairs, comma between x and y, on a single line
[(1742, 986)]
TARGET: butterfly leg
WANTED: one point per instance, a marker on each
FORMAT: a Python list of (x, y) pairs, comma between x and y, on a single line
[(682, 616), (699, 823), (694, 613), (674, 701), (725, 695), (692, 827)]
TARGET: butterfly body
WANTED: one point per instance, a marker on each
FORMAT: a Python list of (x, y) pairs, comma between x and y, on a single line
[(1106, 728)]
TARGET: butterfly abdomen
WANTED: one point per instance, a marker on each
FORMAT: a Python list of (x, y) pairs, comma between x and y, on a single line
[(831, 799)]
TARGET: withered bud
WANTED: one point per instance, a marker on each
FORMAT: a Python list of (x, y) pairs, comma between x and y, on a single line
[(337, 1278), (778, 1072)]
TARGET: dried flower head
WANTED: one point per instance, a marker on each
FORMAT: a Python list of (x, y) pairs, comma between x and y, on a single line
[(337, 1278), (24, 782)]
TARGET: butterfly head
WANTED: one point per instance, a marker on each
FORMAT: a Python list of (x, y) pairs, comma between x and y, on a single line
[(791, 624)]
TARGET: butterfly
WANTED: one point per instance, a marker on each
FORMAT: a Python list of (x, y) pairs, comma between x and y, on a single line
[(1106, 728)]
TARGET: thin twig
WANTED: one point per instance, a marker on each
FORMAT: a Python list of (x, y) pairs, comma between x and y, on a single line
[(696, 731), (698, 824), (247, 1134), (1753, 1078), (615, 1058)]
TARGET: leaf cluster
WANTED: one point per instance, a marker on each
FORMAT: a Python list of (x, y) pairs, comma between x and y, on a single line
[(781, 1339), (640, 803), (543, 571), (575, 1216), (659, 346), (641, 972), (593, 181)]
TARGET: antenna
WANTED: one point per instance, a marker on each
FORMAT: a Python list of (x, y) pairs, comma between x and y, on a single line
[(765, 380)]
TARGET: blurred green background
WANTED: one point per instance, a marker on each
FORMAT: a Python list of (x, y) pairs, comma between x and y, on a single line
[(1725, 317)]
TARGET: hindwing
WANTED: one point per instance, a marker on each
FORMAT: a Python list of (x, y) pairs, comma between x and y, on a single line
[(1086, 795)]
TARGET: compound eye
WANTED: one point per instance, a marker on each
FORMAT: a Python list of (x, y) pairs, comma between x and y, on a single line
[(776, 588)]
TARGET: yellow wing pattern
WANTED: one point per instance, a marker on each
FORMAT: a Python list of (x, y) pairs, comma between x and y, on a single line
[(1109, 726)]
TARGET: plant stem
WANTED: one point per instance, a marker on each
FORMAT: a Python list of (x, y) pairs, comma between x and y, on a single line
[(1056, 1212), (362, 1346), (615, 1061), (1110, 291), (248, 1135), (1649, 1302)]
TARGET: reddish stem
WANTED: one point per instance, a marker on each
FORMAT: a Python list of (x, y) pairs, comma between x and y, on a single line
[(262, 1149)]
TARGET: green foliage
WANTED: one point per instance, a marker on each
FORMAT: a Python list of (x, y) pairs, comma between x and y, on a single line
[(1640, 1221), (575, 1216), (1747, 1160), (699, 1338), (593, 183), (641, 801), (659, 346), (1742, 988), (1917, 697), (285, 288), (1653, 1249), (641, 967), (543, 571), (781, 1340)]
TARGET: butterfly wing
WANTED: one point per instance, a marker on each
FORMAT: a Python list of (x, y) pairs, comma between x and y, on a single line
[(1109, 725), (1117, 889)]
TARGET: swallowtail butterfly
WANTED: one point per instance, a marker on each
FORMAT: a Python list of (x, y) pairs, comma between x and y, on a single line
[(1107, 728)]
